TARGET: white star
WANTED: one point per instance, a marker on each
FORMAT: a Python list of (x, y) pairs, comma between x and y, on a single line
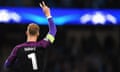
[(111, 18), (98, 18)]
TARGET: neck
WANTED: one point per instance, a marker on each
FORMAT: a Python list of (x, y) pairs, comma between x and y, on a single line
[(31, 39)]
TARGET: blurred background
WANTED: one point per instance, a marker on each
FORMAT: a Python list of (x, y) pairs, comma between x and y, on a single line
[(65, 3), (78, 47)]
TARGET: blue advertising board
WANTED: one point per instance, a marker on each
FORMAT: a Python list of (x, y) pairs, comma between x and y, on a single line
[(61, 16)]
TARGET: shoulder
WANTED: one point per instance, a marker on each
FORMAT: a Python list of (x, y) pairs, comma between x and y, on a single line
[(43, 43), (19, 46), (16, 49)]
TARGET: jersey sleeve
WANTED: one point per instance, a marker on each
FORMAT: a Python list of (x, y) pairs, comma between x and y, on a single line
[(52, 30), (50, 37), (11, 58)]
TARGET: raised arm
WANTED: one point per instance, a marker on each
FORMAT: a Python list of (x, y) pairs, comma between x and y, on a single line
[(52, 28)]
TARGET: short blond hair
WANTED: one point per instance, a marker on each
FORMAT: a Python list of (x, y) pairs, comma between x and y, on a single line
[(33, 29)]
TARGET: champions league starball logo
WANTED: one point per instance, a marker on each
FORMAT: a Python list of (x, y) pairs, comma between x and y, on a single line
[(98, 18), (6, 16)]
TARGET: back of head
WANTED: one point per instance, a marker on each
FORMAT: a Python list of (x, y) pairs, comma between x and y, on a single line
[(33, 29)]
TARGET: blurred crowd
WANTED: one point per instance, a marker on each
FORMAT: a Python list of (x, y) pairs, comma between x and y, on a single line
[(64, 3), (89, 51)]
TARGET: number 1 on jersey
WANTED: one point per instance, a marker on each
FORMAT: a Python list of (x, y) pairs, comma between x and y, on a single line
[(32, 56)]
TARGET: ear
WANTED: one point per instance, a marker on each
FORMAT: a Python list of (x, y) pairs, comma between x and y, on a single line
[(26, 33), (38, 34)]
